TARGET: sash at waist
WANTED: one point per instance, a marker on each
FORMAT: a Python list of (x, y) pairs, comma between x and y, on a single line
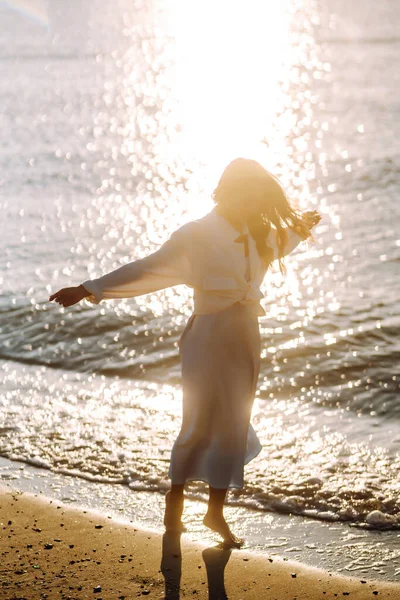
[(211, 301)]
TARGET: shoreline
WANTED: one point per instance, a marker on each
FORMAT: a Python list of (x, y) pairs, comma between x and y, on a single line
[(333, 547), (52, 550)]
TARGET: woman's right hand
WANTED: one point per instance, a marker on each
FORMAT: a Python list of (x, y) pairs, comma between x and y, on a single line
[(311, 218), (70, 295)]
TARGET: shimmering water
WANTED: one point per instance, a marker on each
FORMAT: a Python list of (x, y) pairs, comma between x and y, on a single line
[(112, 136)]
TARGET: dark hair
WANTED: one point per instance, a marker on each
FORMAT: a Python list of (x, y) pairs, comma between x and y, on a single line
[(250, 181)]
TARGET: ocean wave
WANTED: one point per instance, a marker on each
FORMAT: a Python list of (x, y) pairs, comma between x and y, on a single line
[(356, 370), (365, 508)]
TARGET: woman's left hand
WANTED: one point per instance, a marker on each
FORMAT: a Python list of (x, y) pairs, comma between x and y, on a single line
[(69, 296)]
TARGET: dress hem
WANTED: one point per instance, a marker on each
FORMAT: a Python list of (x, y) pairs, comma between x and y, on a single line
[(237, 487), (254, 455)]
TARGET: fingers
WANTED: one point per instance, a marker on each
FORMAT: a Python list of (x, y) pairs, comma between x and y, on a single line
[(63, 303), (312, 217), (61, 298), (56, 295)]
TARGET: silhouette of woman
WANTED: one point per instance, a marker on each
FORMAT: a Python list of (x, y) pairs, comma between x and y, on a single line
[(224, 257)]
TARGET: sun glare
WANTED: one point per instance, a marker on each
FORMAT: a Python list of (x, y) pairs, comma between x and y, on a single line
[(229, 60)]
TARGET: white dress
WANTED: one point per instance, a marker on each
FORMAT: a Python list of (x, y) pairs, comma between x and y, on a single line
[(220, 346), (220, 354)]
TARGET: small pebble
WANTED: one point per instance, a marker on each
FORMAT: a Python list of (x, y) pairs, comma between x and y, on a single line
[(98, 526), (97, 589), (48, 546)]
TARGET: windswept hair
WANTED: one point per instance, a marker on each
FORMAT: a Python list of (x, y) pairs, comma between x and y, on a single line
[(251, 182)]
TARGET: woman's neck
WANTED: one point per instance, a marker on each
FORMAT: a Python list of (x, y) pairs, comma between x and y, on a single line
[(234, 219)]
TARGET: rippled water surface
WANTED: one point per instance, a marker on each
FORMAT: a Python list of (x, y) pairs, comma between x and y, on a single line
[(117, 120)]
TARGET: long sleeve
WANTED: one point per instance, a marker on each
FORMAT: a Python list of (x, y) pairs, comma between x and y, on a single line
[(166, 267), (293, 241)]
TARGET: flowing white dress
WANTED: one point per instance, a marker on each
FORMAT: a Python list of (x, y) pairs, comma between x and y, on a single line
[(220, 346), (220, 355)]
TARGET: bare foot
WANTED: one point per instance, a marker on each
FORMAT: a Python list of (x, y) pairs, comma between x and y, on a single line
[(173, 514), (217, 523)]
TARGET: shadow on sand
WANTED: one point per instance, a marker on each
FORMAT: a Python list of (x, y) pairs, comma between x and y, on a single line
[(215, 559)]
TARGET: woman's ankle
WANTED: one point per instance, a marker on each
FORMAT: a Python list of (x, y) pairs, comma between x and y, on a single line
[(176, 492), (215, 512)]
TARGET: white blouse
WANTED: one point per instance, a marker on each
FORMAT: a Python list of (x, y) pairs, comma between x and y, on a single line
[(203, 255)]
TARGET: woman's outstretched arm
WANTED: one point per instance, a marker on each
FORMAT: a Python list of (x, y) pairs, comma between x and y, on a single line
[(166, 267)]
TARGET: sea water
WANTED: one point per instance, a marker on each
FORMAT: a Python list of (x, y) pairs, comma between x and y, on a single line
[(117, 120)]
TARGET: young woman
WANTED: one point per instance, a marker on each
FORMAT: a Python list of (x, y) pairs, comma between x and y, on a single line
[(224, 257)]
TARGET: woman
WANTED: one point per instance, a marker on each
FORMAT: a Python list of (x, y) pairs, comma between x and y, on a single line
[(224, 257)]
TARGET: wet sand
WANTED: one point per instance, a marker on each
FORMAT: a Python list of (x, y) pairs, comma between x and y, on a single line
[(52, 550)]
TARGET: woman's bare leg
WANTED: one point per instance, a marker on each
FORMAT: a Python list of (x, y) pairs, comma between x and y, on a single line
[(214, 518), (176, 492), (174, 507)]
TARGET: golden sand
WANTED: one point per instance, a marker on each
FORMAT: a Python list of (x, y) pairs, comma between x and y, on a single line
[(52, 550)]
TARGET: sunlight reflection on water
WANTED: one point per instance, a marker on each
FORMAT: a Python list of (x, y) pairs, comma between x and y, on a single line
[(124, 143)]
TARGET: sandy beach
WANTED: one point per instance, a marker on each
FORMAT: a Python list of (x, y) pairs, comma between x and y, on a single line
[(51, 550)]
